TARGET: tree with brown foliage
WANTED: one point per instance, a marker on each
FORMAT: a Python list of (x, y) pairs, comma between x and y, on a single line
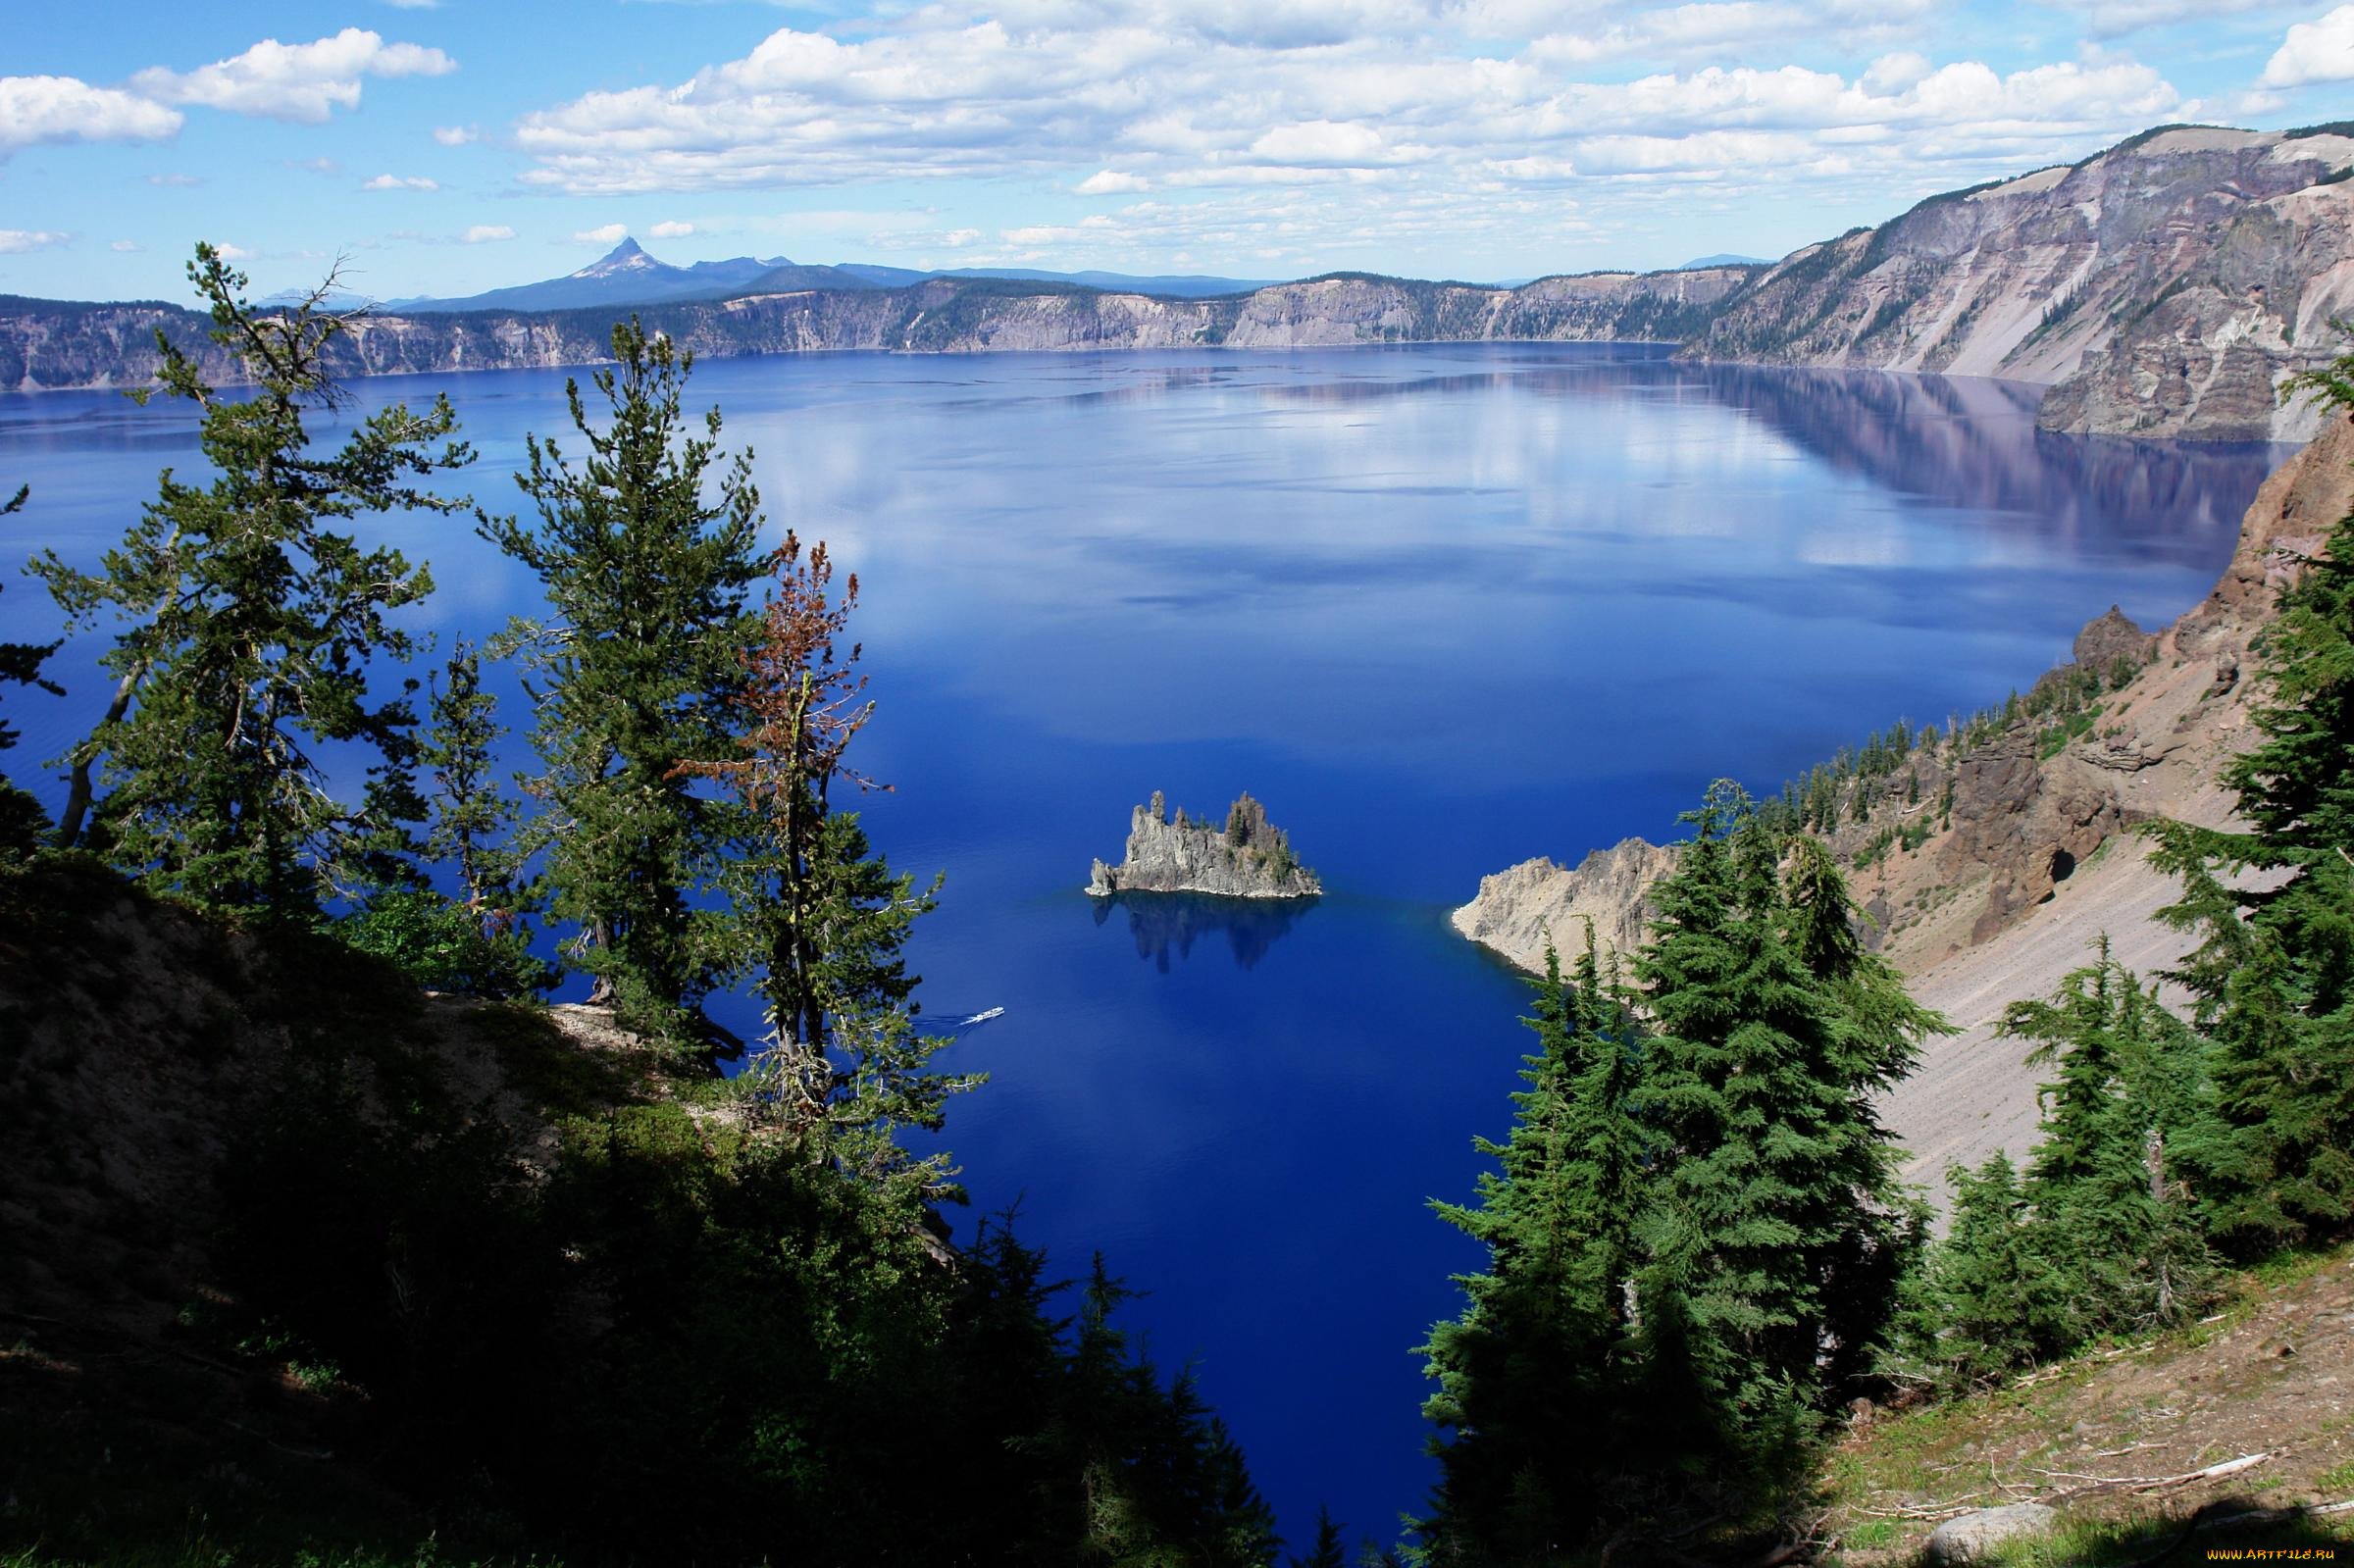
[(819, 919)]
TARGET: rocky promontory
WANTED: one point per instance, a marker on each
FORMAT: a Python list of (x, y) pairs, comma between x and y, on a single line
[(1248, 857)]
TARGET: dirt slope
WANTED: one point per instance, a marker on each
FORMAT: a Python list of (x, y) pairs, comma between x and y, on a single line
[(2269, 1378)]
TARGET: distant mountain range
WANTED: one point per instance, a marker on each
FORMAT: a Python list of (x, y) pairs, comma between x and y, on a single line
[(628, 276), (2164, 287)]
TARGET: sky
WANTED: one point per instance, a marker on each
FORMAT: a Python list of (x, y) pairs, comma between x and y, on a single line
[(446, 146)]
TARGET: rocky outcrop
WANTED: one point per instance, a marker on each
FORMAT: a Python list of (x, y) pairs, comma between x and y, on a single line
[(1982, 1536), (2166, 287), (1248, 857), (2109, 637), (1522, 908)]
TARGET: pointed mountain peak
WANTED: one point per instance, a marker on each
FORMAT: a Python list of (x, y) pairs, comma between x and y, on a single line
[(626, 256)]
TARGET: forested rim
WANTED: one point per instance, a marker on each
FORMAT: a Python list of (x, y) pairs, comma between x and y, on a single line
[(671, 1317), (1699, 1259)]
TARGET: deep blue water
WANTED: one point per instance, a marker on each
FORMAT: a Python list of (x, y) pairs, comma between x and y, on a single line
[(1441, 608)]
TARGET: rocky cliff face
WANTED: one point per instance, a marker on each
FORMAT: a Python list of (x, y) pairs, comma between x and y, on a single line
[(1248, 857), (2164, 287), (51, 345), (1521, 909)]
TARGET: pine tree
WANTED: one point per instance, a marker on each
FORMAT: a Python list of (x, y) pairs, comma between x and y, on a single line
[(816, 916), (2275, 974), (636, 673), (1993, 1302), (20, 819), (821, 918), (255, 625), (1526, 1373), (1779, 1229), (1878, 1030), (2111, 1221), (1157, 1467), (1327, 1553), (481, 943)]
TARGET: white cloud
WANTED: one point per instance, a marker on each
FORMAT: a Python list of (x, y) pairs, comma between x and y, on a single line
[(414, 5), (1320, 142), (1406, 123), (1176, 94), (488, 234), (2314, 51), (233, 253), (456, 135), (315, 165), (16, 240), (671, 231), (609, 235), (1895, 72), (34, 110), (400, 183), (169, 181), (125, 247), (1720, 29), (2110, 19), (304, 82)]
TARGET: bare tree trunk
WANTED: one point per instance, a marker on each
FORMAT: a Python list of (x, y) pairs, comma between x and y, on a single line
[(600, 990), (78, 791), (2153, 1156)]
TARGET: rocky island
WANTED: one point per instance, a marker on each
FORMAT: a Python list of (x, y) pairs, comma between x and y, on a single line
[(1247, 858)]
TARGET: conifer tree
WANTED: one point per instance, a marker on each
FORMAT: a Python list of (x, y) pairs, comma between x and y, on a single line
[(20, 820), (2112, 1222), (1778, 1228), (1993, 1303), (1158, 1468), (1876, 1034), (637, 671), (254, 622), (1527, 1374), (2274, 973), (20, 662), (816, 916), (481, 943), (1327, 1553)]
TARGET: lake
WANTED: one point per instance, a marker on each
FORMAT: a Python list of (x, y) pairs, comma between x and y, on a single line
[(1441, 608)]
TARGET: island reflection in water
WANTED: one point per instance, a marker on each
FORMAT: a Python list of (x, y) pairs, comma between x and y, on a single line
[(1163, 923)]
